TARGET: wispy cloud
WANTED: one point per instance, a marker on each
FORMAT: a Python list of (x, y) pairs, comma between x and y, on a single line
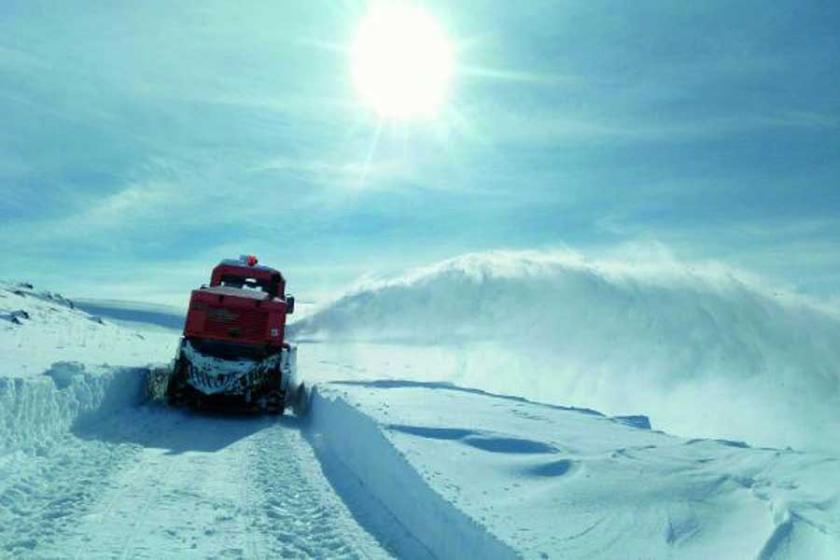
[(137, 206), (520, 76), (565, 126), (146, 132)]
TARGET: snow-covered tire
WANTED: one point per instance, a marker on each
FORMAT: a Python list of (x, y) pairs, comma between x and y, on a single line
[(177, 386), (274, 403), (157, 383), (301, 401)]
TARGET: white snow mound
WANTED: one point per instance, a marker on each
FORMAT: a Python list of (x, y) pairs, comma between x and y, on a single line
[(35, 410)]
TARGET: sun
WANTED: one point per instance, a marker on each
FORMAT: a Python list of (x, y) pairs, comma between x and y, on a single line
[(401, 62)]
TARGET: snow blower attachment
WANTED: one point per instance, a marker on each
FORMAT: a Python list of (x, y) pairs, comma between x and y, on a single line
[(233, 351)]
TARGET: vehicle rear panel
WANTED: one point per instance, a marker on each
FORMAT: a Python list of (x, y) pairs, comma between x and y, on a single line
[(240, 316)]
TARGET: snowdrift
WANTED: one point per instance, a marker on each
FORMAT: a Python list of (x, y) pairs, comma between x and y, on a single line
[(468, 474), (390, 495), (703, 350), (68, 395)]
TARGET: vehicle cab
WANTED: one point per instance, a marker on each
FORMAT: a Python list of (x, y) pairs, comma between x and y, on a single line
[(244, 308)]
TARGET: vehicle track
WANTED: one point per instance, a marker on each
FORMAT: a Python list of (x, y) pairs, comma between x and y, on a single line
[(173, 484), (301, 512)]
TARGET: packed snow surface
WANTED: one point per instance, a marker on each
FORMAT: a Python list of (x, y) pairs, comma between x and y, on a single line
[(407, 451), (89, 469), (704, 350)]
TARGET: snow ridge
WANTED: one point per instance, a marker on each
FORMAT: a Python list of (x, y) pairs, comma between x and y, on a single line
[(385, 491), (35, 410)]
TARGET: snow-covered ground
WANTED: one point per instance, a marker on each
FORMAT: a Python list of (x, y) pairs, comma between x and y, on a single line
[(38, 328), (477, 475), (88, 471), (134, 314), (410, 449)]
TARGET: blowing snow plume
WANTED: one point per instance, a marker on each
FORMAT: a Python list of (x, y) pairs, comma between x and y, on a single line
[(703, 350)]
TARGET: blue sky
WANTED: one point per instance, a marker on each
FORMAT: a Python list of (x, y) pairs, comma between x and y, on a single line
[(141, 143)]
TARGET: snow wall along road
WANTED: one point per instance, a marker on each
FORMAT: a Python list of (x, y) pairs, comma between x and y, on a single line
[(704, 350)]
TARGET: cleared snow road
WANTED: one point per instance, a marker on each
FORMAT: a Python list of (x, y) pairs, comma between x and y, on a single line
[(156, 483)]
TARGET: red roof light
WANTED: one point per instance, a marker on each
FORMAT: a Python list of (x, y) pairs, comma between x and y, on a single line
[(251, 260)]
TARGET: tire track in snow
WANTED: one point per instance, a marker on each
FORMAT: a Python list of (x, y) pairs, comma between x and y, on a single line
[(44, 492), (184, 497), (47, 488), (202, 486), (303, 515)]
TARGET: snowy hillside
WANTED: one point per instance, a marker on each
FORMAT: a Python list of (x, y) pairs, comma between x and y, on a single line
[(393, 460), (617, 335), (39, 327)]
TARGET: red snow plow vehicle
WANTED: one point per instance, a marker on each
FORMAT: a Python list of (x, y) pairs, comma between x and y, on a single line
[(233, 350)]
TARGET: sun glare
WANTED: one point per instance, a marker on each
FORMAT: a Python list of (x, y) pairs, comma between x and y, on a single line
[(401, 62)]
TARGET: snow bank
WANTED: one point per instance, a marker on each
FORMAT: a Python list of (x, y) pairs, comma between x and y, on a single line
[(34, 410), (54, 365), (621, 336), (387, 494), (474, 475)]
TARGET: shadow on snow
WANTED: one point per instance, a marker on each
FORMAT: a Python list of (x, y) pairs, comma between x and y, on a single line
[(178, 430)]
